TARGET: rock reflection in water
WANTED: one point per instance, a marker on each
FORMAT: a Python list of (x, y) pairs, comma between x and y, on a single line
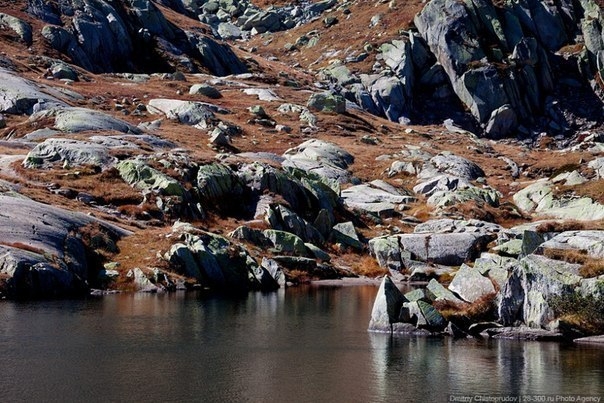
[(433, 368)]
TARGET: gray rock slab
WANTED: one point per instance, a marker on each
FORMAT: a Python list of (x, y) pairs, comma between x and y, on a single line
[(591, 242), (470, 285)]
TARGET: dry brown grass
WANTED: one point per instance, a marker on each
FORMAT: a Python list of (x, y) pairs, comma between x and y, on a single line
[(142, 248), (368, 266), (23, 246), (468, 313), (560, 226)]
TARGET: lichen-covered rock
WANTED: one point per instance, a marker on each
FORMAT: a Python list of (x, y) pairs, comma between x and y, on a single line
[(322, 158), (217, 182), (137, 173), (285, 242), (282, 218), (326, 102), (524, 297), (539, 198), (20, 27), (345, 234)]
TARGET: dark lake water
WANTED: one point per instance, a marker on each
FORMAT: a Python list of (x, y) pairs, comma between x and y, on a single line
[(306, 344)]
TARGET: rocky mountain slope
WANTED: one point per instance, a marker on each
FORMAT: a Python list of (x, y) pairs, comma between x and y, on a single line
[(236, 146)]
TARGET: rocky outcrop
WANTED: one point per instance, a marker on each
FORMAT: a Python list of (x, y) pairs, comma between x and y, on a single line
[(41, 254), (20, 96), (103, 35), (540, 199), (446, 249)]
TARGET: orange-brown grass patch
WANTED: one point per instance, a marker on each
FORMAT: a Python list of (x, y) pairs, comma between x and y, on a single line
[(368, 266), (23, 246), (594, 189), (359, 264), (560, 226), (583, 313), (468, 313), (142, 248), (297, 276)]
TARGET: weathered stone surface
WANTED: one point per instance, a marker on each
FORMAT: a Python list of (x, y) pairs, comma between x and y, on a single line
[(496, 267), (218, 58), (470, 284), (19, 96), (453, 165), (524, 298), (141, 282), (263, 94), (387, 252), (274, 270), (285, 242), (70, 152), (448, 225), (282, 218), (376, 197), (40, 255), (322, 158), (437, 292), (386, 307), (75, 120), (446, 249), (590, 242), (598, 166), (217, 182), (346, 234), (423, 315)]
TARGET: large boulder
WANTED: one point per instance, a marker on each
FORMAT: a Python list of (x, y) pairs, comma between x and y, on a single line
[(70, 152), (186, 112), (589, 242), (218, 58), (470, 284), (20, 27), (326, 102), (386, 307), (222, 265), (535, 280), (376, 197), (446, 249), (322, 158), (75, 120), (137, 173), (281, 218)]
